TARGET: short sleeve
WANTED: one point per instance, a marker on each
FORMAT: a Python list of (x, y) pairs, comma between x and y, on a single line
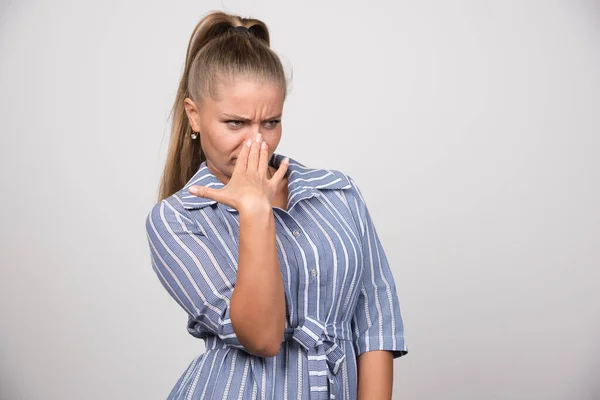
[(191, 269), (377, 322)]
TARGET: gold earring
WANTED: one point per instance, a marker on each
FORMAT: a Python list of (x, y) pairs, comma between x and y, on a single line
[(194, 135)]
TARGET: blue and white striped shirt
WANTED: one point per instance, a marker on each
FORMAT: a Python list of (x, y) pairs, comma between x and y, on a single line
[(341, 298)]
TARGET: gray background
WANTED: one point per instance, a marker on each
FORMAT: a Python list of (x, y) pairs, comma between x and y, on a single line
[(472, 128)]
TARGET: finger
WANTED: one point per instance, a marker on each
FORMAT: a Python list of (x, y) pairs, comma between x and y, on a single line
[(209, 193), (263, 162), (254, 153), (242, 161), (280, 173)]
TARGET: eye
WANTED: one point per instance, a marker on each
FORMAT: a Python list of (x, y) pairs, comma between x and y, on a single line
[(272, 124), (234, 123)]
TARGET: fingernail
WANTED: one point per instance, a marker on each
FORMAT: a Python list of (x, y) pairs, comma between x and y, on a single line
[(286, 160), (263, 145), (258, 137), (249, 142), (193, 190)]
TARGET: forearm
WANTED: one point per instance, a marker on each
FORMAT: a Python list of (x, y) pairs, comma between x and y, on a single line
[(257, 306), (375, 375)]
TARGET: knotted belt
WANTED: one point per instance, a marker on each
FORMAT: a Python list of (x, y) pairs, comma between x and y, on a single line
[(324, 355)]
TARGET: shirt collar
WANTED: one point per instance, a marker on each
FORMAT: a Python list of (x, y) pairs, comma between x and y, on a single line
[(303, 183)]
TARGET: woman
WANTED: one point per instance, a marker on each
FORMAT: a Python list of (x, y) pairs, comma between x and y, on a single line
[(314, 313)]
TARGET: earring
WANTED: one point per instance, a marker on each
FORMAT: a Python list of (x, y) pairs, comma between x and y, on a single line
[(194, 135)]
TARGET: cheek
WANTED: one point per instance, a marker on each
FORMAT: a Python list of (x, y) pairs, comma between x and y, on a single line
[(273, 139), (220, 139), (220, 146)]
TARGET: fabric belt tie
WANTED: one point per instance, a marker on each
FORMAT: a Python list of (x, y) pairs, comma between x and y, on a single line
[(324, 355)]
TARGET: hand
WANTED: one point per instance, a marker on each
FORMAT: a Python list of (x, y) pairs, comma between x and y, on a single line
[(249, 186)]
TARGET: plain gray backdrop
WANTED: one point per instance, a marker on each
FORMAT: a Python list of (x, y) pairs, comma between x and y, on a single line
[(472, 128)]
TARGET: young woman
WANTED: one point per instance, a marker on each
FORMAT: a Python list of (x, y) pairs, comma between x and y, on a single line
[(277, 265)]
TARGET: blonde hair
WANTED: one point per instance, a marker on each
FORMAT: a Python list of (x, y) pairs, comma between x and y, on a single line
[(215, 53)]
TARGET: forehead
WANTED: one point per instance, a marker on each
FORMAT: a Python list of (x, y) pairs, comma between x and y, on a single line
[(248, 97)]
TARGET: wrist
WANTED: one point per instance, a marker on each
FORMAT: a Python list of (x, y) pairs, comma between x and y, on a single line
[(255, 208)]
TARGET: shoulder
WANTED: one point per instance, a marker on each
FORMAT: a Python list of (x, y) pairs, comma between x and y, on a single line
[(310, 177), (168, 213), (171, 204)]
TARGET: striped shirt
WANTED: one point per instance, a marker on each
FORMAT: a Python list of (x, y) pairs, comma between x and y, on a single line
[(341, 298)]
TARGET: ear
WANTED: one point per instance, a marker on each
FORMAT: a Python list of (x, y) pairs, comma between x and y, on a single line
[(193, 114)]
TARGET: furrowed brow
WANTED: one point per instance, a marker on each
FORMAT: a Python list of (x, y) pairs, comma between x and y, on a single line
[(240, 118)]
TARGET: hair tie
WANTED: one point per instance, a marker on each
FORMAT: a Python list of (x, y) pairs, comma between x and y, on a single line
[(240, 28)]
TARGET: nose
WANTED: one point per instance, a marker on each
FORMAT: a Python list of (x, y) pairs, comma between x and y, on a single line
[(248, 134), (251, 133)]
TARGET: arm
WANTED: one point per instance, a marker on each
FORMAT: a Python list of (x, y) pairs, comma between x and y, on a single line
[(201, 279), (378, 328), (258, 302), (375, 375)]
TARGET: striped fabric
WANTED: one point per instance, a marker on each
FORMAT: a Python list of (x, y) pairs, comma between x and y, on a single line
[(340, 293)]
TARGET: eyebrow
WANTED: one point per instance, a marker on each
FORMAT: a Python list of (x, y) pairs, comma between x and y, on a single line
[(237, 117)]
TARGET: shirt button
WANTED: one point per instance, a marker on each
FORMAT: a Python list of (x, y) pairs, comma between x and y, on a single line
[(313, 272), (296, 233)]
